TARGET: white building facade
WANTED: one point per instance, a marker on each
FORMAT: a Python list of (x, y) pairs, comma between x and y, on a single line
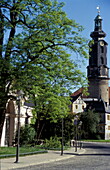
[(11, 121)]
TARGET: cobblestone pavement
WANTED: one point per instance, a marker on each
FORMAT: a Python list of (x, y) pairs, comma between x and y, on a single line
[(51, 156)]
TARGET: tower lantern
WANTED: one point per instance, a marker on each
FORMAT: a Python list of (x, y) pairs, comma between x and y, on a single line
[(98, 21)]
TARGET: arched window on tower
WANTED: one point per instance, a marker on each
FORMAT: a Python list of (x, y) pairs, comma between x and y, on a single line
[(102, 60), (98, 23), (102, 49)]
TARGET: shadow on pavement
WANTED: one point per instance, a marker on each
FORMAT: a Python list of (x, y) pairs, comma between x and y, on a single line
[(95, 154), (96, 147)]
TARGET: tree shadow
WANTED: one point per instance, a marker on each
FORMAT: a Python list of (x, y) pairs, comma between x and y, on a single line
[(95, 154), (96, 147)]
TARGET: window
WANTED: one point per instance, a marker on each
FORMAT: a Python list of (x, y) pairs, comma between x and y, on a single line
[(76, 106), (108, 127), (102, 60), (83, 107), (102, 49), (108, 117)]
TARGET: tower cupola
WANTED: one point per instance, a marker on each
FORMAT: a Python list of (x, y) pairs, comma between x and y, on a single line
[(98, 33)]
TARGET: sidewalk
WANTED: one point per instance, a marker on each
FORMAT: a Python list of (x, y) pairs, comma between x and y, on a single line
[(51, 156)]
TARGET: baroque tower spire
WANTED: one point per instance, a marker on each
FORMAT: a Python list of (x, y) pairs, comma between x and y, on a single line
[(97, 69)]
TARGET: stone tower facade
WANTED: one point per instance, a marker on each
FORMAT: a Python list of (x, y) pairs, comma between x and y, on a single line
[(97, 71)]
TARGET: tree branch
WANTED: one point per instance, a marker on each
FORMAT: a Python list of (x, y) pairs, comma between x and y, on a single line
[(8, 87), (1, 32), (13, 20)]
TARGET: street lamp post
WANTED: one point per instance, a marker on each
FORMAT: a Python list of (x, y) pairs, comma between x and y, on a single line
[(80, 124), (76, 140), (76, 124), (20, 93), (18, 135), (62, 139)]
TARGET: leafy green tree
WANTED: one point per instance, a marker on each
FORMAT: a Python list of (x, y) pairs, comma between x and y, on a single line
[(90, 121), (49, 105), (35, 36)]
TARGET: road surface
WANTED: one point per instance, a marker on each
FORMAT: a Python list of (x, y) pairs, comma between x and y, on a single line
[(96, 157)]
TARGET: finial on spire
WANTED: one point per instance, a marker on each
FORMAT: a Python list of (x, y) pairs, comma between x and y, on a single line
[(98, 9)]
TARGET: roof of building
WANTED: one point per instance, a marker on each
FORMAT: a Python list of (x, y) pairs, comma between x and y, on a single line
[(99, 105), (80, 92), (74, 96), (77, 92)]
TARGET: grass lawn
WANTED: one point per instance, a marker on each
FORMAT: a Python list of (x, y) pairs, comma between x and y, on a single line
[(12, 150), (96, 140)]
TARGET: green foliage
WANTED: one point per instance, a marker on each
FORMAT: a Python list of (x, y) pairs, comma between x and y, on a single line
[(35, 39), (51, 106), (54, 142), (53, 129), (35, 50), (27, 135), (69, 131), (90, 124)]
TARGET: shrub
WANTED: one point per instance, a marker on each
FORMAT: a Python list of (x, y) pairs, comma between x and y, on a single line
[(54, 142), (27, 134)]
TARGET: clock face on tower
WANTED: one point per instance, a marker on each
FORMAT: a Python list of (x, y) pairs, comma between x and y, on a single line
[(101, 43)]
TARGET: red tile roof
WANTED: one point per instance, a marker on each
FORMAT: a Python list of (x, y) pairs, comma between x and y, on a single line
[(80, 91)]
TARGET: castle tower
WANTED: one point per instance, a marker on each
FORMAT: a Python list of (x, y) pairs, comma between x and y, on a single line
[(97, 71)]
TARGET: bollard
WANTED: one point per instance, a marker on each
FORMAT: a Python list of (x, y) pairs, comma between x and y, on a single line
[(75, 146)]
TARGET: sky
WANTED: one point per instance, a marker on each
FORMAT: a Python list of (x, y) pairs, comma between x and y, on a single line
[(84, 13)]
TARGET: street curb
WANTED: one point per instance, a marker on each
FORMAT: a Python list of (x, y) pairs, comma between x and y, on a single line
[(22, 154), (82, 152)]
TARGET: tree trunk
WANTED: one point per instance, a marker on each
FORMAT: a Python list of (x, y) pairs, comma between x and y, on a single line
[(40, 132), (3, 102), (2, 119), (39, 128)]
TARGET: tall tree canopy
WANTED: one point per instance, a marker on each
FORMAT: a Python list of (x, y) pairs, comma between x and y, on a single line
[(35, 37)]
